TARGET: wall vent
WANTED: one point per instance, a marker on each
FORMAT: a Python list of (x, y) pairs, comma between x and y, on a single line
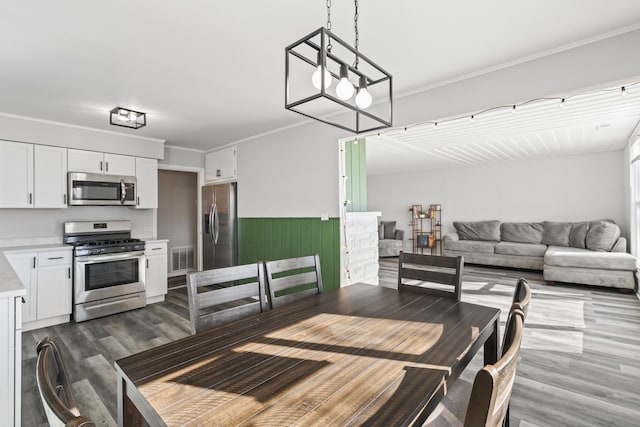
[(182, 259)]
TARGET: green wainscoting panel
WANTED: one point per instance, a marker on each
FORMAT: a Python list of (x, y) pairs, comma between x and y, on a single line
[(356, 171), (265, 239)]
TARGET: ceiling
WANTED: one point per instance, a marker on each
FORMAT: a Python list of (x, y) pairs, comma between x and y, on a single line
[(209, 73), (602, 120)]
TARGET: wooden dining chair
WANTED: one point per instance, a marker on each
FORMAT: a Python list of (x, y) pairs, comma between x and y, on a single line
[(493, 384), (55, 389), (437, 275), (225, 294), (293, 278), (522, 296), (488, 396)]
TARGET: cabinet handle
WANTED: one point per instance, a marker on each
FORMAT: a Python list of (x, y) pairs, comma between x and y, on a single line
[(100, 165), (55, 257), (34, 262), (64, 199), (138, 200), (23, 301), (69, 272), (156, 249), (106, 166), (147, 263), (30, 198)]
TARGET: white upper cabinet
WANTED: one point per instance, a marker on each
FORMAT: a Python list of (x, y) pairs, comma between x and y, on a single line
[(147, 182), (116, 164), (221, 165), (16, 175), (96, 162), (50, 177)]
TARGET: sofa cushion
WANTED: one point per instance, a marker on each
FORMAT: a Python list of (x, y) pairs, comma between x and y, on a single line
[(575, 257), (523, 232), (578, 235), (523, 249), (602, 235), (479, 246), (479, 230), (380, 231), (556, 233), (389, 229)]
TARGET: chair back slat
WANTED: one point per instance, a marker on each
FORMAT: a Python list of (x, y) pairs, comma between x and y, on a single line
[(286, 278), (54, 387), (438, 275), (491, 392), (216, 297)]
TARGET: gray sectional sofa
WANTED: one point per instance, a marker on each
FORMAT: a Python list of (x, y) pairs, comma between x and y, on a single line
[(389, 239), (591, 253)]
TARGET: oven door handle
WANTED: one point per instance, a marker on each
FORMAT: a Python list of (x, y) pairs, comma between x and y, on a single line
[(103, 258)]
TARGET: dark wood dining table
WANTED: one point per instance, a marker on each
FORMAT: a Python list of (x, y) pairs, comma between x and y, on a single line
[(361, 355)]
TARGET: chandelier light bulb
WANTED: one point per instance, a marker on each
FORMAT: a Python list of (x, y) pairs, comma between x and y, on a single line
[(344, 89), (316, 78), (123, 115), (363, 98)]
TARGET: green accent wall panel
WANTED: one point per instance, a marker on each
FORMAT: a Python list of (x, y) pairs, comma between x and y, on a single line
[(356, 170), (266, 239)]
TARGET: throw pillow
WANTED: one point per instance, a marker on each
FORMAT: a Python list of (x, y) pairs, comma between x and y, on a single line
[(578, 235), (556, 233), (602, 235), (522, 232), (480, 230), (389, 229)]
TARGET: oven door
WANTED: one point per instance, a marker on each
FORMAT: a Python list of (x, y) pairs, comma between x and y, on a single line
[(99, 277)]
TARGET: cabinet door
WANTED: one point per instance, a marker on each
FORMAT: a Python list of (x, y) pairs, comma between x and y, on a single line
[(221, 164), (16, 175), (50, 177), (115, 164), (24, 264), (7, 360), (54, 291), (85, 161), (147, 181), (156, 277)]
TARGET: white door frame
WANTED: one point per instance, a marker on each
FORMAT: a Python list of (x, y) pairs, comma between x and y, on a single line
[(200, 183)]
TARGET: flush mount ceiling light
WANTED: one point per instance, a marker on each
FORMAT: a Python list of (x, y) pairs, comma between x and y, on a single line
[(128, 118), (322, 75)]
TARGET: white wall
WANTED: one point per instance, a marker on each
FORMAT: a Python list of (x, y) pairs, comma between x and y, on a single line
[(35, 131), (176, 156), (293, 173), (47, 223), (574, 188)]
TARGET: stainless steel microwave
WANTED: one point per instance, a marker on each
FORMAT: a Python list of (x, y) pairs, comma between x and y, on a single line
[(101, 190)]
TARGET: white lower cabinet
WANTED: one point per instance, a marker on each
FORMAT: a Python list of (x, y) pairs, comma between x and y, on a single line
[(10, 360), (156, 274), (47, 277)]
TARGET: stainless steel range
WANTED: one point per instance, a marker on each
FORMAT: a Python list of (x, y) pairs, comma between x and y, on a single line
[(108, 266)]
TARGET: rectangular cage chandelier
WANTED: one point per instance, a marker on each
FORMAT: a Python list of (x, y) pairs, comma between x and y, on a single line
[(127, 118), (353, 93)]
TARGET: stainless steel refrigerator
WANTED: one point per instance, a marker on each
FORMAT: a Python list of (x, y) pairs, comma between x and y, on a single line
[(220, 226)]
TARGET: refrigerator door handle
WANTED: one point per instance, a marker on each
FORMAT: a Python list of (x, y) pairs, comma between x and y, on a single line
[(216, 222), (211, 223)]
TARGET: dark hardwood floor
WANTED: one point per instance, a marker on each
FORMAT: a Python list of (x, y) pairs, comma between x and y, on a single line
[(579, 365)]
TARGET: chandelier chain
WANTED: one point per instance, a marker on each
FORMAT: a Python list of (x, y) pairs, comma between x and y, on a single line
[(329, 46), (357, 42)]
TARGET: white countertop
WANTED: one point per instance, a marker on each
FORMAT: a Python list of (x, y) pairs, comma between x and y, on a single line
[(10, 284)]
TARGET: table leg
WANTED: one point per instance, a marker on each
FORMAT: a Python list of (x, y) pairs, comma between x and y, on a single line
[(128, 414), (491, 347)]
